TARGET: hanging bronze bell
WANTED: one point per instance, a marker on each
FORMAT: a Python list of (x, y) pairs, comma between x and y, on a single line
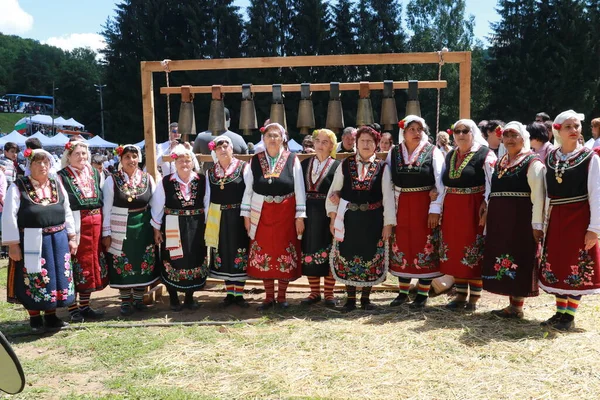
[(247, 111), (389, 113), (306, 112), (277, 107), (413, 107), (216, 116), (364, 112), (335, 114), (187, 121)]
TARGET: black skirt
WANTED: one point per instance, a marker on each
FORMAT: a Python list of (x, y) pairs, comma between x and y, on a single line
[(316, 240), (230, 261)]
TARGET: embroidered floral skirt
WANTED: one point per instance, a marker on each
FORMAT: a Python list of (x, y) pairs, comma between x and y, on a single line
[(316, 240), (509, 259), (89, 264), (462, 236), (275, 250), (136, 264), (360, 259), (51, 288), (566, 268), (230, 261), (415, 247)]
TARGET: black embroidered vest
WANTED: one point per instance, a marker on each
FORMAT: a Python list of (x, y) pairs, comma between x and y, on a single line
[(228, 190), (367, 191), (174, 196), (32, 213), (76, 199), (282, 178), (574, 178), (472, 175), (142, 192), (319, 189), (514, 179), (419, 174)]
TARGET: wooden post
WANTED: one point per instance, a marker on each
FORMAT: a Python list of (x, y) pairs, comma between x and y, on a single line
[(149, 124), (465, 87)]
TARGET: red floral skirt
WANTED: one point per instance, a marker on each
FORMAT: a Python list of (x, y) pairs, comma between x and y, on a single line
[(566, 268), (275, 250), (461, 249), (89, 264), (414, 252)]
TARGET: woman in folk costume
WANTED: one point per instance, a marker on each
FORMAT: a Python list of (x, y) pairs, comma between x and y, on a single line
[(316, 242), (83, 183), (226, 235), (467, 177), (416, 167), (178, 219), (514, 222), (38, 227), (362, 221), (126, 230), (570, 265), (274, 210)]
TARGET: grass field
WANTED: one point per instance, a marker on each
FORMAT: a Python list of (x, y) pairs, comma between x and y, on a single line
[(312, 354), (8, 120)]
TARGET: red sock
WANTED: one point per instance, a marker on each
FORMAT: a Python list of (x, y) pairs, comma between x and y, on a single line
[(329, 285), (315, 286), (269, 290), (281, 291), (517, 302), (33, 313)]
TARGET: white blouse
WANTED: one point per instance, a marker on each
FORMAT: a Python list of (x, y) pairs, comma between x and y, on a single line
[(108, 192), (12, 203), (439, 162), (387, 190)]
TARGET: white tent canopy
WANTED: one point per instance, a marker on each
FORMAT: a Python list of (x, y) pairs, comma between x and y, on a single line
[(41, 119), (14, 137), (45, 140), (60, 121), (72, 122), (97, 141), (59, 139)]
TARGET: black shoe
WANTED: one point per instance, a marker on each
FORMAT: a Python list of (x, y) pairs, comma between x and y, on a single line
[(471, 307), (419, 303), (191, 306), (90, 313), (53, 322), (265, 306), (367, 305), (555, 319), (241, 302), (508, 313), (564, 326), (76, 317), (228, 300), (349, 306), (37, 324), (126, 309), (139, 305), (309, 301), (456, 305), (399, 300), (331, 303), (284, 305)]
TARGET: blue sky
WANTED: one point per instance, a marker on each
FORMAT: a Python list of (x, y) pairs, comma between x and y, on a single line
[(75, 23)]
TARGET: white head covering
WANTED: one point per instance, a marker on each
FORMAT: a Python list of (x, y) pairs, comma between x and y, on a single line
[(413, 118), (138, 150), (35, 152), (562, 117), (477, 136), (64, 161), (270, 125), (521, 130), (218, 139)]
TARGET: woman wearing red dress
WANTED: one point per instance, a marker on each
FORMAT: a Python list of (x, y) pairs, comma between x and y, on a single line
[(569, 266), (467, 177), (274, 209)]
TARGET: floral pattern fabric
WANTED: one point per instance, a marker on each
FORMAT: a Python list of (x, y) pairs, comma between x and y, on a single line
[(357, 269), (474, 253)]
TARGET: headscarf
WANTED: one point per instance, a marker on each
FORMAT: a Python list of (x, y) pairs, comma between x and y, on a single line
[(218, 139), (69, 147), (402, 124), (268, 126), (331, 136), (121, 149), (477, 136), (522, 131), (562, 117), (35, 152)]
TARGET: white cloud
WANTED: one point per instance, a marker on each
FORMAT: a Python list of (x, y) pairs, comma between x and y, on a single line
[(74, 40), (13, 19)]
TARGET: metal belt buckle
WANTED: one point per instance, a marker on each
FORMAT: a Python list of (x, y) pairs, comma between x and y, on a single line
[(364, 207), (278, 199), (353, 207), (269, 199)]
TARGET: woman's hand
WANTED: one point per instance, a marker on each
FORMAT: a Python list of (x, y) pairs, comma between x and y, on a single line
[(158, 237), (299, 226), (106, 242), (538, 235), (591, 239), (73, 246), (335, 198), (14, 252), (482, 214), (433, 221), (387, 232), (247, 224)]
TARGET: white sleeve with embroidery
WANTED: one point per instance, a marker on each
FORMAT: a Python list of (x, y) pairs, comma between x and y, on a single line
[(10, 226), (157, 206), (336, 186), (537, 182), (206, 196), (488, 168), (389, 206), (109, 195), (248, 192), (299, 189), (439, 162)]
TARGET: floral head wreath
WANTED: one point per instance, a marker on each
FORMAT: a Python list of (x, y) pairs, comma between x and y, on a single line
[(28, 153), (498, 131), (118, 150), (451, 130)]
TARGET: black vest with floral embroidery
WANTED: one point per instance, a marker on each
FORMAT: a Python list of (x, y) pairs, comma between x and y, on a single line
[(514, 179), (76, 199), (174, 196), (574, 178), (418, 174), (233, 186), (32, 213), (282, 178), (472, 175), (142, 197), (366, 191)]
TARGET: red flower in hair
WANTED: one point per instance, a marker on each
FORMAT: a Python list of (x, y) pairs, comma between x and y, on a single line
[(401, 124), (557, 126), (174, 156), (449, 131), (262, 129), (28, 153), (498, 131), (118, 151), (211, 145), (68, 146)]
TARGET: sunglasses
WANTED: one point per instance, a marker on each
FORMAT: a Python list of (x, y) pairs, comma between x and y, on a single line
[(461, 131)]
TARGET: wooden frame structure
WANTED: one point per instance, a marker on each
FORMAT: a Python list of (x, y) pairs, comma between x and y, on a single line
[(149, 67)]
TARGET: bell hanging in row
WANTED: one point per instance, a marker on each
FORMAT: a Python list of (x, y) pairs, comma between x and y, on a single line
[(306, 112), (187, 120), (247, 111), (389, 113), (216, 116), (413, 107), (277, 108), (335, 114), (364, 112)]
